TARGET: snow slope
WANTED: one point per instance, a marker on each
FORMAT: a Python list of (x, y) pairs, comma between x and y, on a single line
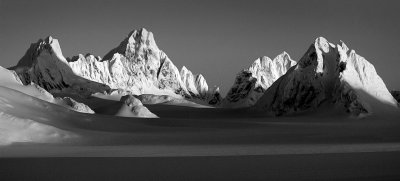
[(10, 79), (20, 121), (251, 83), (328, 75)]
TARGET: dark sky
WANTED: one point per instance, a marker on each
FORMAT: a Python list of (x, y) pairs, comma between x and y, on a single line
[(215, 38)]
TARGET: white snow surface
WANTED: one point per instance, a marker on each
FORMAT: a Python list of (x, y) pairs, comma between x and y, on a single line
[(10, 79), (21, 119), (328, 74), (251, 83)]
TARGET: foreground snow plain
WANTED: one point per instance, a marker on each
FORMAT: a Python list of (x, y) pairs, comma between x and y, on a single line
[(191, 143), (29, 121)]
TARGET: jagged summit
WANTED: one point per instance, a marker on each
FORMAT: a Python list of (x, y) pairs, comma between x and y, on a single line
[(138, 43), (251, 83), (327, 74), (137, 65)]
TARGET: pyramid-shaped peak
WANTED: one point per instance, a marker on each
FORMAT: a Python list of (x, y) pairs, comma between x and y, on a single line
[(49, 45), (141, 36), (139, 42)]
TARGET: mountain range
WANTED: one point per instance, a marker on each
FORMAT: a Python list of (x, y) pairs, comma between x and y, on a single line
[(327, 76)]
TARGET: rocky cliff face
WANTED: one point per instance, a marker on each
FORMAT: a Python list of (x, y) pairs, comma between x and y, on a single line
[(251, 83), (327, 74)]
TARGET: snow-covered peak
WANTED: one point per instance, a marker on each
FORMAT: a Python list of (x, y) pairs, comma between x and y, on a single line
[(139, 45), (142, 36), (274, 67), (259, 64), (188, 80), (362, 77), (45, 65), (195, 84), (45, 47), (201, 85), (252, 82), (331, 75), (136, 65), (133, 107)]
